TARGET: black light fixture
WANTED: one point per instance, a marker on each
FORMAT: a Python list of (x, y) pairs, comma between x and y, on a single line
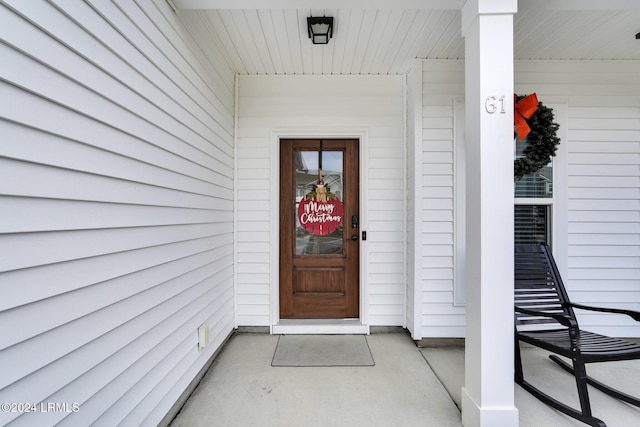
[(638, 36), (320, 29)]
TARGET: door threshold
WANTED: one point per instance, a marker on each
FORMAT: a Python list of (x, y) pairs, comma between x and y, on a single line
[(319, 327)]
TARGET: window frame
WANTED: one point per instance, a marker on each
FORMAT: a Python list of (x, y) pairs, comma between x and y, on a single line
[(541, 201), (559, 208), (524, 201)]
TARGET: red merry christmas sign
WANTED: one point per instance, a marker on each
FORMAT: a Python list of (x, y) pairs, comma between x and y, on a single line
[(320, 212)]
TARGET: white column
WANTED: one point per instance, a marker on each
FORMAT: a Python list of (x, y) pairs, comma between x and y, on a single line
[(488, 393)]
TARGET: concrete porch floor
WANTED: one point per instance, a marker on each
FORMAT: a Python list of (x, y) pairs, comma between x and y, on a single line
[(408, 386)]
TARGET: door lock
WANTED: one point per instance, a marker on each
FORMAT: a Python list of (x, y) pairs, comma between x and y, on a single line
[(354, 221), (354, 237)]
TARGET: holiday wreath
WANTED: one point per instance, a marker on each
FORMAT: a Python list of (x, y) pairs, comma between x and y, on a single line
[(534, 120)]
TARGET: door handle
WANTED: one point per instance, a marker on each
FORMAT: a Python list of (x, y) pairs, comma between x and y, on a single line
[(354, 237)]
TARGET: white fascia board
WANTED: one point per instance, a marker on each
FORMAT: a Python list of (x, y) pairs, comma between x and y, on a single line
[(400, 4), (578, 5), (320, 4)]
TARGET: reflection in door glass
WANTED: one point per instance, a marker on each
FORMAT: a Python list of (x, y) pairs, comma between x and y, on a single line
[(307, 176)]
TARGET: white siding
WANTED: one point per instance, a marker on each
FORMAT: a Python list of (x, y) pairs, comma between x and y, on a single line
[(602, 164), (602, 229), (314, 105), (414, 198), (443, 84), (116, 184)]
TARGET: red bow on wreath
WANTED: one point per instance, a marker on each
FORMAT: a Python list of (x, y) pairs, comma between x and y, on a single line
[(523, 110)]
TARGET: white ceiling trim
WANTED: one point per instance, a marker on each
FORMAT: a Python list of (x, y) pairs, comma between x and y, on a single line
[(602, 5), (320, 4), (400, 4)]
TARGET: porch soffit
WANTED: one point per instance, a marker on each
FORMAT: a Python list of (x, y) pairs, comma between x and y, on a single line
[(269, 37)]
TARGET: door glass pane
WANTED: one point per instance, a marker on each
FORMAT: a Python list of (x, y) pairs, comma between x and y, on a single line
[(532, 224), (538, 184), (307, 165)]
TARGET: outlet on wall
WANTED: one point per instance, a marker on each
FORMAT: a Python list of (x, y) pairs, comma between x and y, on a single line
[(203, 336)]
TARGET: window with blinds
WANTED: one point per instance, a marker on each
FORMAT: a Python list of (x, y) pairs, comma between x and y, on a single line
[(532, 224), (537, 185), (534, 199)]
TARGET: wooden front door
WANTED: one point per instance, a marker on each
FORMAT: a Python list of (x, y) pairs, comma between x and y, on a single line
[(319, 229)]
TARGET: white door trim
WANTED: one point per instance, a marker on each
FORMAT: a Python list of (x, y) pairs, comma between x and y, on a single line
[(348, 326)]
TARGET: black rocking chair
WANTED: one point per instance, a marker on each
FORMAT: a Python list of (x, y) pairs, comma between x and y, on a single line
[(540, 299)]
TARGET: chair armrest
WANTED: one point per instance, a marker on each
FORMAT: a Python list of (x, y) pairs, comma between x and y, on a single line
[(633, 314), (560, 318)]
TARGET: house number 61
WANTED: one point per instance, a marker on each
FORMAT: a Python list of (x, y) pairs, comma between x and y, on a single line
[(491, 104)]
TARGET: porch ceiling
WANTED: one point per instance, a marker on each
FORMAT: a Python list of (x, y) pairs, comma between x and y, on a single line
[(383, 37)]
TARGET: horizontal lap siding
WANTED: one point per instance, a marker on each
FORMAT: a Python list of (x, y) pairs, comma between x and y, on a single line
[(323, 103), (603, 185), (414, 126), (443, 84), (603, 182), (116, 185), (604, 206)]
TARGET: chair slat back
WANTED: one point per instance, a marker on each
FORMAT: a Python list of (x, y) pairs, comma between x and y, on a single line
[(538, 285)]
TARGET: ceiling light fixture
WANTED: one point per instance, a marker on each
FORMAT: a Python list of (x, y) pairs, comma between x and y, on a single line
[(320, 29)]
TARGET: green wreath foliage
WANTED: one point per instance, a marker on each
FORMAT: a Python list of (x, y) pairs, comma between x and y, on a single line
[(542, 142)]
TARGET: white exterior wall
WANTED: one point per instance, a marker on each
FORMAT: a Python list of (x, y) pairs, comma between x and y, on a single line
[(319, 106), (116, 183), (414, 198), (602, 226), (443, 85), (600, 261)]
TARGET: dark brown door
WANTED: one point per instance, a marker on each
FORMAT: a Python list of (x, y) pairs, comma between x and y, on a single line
[(319, 229)]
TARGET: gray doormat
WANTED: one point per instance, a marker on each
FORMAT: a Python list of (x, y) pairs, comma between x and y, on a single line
[(322, 350)]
